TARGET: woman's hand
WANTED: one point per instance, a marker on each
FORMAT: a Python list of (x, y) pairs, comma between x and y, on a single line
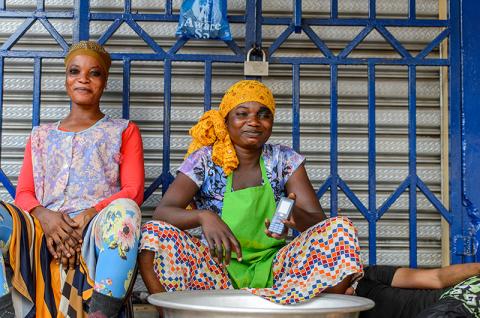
[(82, 221), (59, 230), (219, 237), (289, 223)]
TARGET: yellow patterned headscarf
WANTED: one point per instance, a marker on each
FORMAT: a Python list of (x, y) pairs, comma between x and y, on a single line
[(211, 128), (93, 49)]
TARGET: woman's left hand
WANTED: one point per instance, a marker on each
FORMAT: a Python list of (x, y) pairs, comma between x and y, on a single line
[(289, 223), (82, 220)]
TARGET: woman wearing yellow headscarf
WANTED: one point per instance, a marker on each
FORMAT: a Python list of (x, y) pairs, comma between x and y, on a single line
[(236, 179)]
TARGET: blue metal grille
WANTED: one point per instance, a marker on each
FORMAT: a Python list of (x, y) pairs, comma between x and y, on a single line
[(254, 21)]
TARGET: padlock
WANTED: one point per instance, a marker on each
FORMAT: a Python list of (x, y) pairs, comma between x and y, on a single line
[(256, 68)]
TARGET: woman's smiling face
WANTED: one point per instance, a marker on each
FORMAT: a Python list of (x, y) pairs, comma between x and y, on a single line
[(85, 80), (250, 125)]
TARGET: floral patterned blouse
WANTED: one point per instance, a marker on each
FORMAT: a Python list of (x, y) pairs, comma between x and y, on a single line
[(280, 163)]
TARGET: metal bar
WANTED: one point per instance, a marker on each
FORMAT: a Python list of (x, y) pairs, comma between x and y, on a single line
[(280, 39), (296, 107), (235, 48), (53, 32), (126, 88), (7, 183), (436, 42), (334, 140), (258, 22), (178, 45), (372, 178), (297, 16), (434, 201), (37, 90), (206, 57), (240, 59), (168, 8), (356, 41), (470, 133), (152, 17), (352, 197), (393, 41), (360, 22), (325, 186), (359, 61), (32, 54), (207, 88), (36, 14), (412, 12), (318, 42), (145, 36), (108, 16), (455, 135), (250, 24), (110, 31), (392, 198), (412, 163), (41, 5), (265, 20), (372, 9), (2, 70), (334, 9), (151, 188), (167, 104), (178, 57), (81, 30), (127, 6), (7, 45)]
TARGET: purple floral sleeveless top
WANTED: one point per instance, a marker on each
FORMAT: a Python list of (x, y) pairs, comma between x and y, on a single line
[(73, 171)]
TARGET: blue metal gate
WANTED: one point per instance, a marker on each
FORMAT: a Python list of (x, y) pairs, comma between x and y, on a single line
[(461, 214)]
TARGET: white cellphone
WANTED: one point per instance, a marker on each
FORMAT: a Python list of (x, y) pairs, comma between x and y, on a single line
[(284, 208)]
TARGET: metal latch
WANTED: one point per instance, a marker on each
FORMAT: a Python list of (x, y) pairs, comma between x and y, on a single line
[(256, 68)]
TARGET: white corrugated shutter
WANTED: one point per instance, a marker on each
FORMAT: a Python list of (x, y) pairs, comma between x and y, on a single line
[(187, 105)]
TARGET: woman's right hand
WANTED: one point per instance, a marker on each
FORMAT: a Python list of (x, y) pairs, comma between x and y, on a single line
[(59, 230), (219, 237)]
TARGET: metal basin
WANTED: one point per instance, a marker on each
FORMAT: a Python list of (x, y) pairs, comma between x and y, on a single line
[(239, 303)]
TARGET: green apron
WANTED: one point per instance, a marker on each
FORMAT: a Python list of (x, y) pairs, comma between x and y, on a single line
[(245, 211)]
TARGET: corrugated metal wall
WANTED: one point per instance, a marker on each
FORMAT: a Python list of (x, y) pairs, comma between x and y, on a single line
[(187, 105)]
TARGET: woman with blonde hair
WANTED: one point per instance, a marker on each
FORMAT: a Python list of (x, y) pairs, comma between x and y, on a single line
[(71, 238)]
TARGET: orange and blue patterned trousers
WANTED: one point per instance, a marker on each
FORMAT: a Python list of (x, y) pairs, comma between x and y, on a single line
[(320, 257)]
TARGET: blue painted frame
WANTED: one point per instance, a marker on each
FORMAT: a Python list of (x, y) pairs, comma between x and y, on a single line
[(466, 230), (457, 215)]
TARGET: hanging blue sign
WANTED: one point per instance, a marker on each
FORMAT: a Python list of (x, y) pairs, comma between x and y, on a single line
[(204, 19)]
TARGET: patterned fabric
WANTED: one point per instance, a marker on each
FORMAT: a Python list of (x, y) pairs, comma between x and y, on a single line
[(468, 292), (181, 261), (74, 171), (280, 163), (5, 234), (117, 235), (44, 289), (211, 129), (90, 48), (320, 257)]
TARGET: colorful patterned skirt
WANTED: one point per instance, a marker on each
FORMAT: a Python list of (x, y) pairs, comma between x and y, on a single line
[(41, 288), (320, 257)]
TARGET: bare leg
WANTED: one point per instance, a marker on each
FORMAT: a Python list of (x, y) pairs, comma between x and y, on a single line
[(145, 265), (341, 287)]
